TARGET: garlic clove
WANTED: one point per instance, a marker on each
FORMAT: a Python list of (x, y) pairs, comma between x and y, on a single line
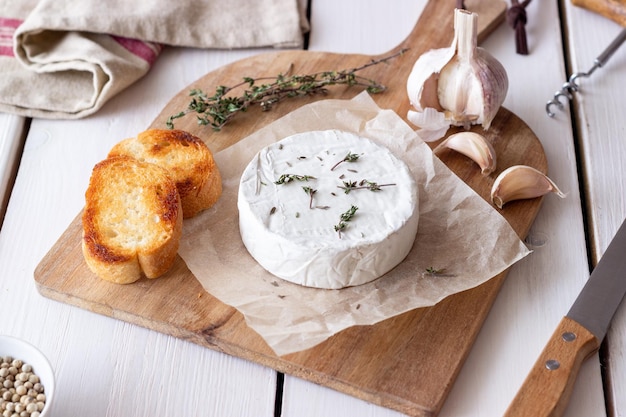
[(422, 83), (521, 182), (433, 125), (474, 146), (463, 81)]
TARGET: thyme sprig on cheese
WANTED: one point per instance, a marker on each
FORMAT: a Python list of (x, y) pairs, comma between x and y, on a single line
[(362, 185), (310, 191), (287, 178), (344, 219), (350, 157)]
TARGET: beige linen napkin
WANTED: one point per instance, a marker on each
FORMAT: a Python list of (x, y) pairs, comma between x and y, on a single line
[(65, 59)]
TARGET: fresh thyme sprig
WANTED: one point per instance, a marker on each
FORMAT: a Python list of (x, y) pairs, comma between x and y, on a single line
[(310, 191), (287, 178), (344, 218), (350, 157), (218, 109), (362, 185)]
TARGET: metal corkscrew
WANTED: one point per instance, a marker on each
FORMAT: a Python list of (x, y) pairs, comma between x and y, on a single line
[(571, 85)]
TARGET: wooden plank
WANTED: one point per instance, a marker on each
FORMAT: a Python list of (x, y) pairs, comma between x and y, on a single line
[(11, 142), (424, 361), (600, 104)]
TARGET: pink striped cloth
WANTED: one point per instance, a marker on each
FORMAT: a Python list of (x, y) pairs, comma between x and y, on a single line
[(64, 59)]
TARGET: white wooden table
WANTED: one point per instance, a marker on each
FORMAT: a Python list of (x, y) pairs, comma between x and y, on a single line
[(106, 367)]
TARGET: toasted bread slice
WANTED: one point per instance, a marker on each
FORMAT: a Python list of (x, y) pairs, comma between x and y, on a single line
[(186, 157), (132, 221)]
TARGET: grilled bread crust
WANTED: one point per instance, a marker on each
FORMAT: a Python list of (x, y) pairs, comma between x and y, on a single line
[(132, 221), (188, 160)]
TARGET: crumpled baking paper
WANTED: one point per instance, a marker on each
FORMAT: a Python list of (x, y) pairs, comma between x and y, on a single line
[(458, 231)]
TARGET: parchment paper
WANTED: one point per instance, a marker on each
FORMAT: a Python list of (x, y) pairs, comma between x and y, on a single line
[(457, 231)]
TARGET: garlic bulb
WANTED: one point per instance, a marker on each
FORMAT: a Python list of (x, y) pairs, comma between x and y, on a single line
[(474, 146), (521, 182), (464, 82)]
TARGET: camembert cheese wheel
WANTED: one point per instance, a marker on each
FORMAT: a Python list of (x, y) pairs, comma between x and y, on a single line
[(327, 209)]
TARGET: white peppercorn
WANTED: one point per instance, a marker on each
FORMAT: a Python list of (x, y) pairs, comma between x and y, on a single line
[(21, 392)]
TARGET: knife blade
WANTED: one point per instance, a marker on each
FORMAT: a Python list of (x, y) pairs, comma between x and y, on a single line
[(547, 388)]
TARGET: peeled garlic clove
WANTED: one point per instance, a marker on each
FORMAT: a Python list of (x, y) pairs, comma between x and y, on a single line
[(521, 182), (463, 81), (474, 146)]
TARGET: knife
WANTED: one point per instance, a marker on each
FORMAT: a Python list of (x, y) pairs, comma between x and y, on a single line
[(548, 386)]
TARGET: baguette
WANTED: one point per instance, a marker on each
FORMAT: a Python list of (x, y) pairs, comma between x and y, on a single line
[(132, 221), (186, 157)]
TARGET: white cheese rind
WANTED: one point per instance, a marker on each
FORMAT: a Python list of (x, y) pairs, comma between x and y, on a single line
[(298, 243)]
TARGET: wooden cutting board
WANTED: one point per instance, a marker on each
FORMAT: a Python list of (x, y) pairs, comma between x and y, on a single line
[(612, 9), (407, 363)]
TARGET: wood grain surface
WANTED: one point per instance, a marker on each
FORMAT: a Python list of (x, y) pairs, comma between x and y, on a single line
[(614, 10), (407, 363)]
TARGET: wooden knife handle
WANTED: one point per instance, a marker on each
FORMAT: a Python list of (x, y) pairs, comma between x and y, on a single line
[(614, 10), (548, 386)]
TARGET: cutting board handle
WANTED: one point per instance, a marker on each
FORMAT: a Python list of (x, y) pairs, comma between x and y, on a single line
[(435, 15)]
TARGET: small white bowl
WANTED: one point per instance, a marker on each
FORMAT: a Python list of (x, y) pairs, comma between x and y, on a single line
[(18, 349)]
